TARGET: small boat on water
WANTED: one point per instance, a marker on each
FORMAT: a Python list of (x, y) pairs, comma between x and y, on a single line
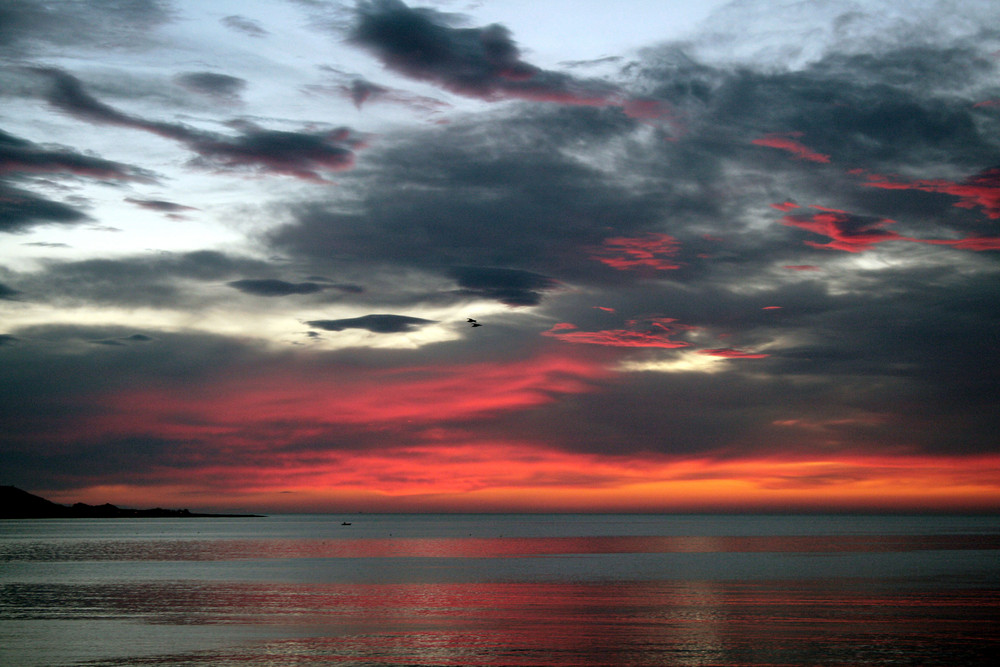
[(346, 523)]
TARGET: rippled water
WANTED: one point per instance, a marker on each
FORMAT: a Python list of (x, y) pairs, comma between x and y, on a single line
[(501, 590)]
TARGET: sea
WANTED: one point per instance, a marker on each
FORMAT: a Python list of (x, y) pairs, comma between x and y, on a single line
[(484, 589)]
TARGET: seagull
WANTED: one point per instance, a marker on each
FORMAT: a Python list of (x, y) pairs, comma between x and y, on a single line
[(470, 320), (476, 324)]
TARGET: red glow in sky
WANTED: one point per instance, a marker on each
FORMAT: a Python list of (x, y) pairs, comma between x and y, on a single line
[(652, 251), (786, 142), (497, 476), (980, 190), (651, 332)]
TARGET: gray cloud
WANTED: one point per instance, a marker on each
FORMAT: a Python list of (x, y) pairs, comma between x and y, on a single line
[(28, 26), (510, 286), (860, 346), (245, 25), (21, 210), (159, 205), (220, 86), (20, 156), (154, 280), (21, 159), (124, 340), (274, 287), (383, 324), (478, 62), (7, 292), (506, 195), (306, 155), (888, 348)]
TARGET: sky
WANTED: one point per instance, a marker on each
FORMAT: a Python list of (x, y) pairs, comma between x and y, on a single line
[(725, 256)]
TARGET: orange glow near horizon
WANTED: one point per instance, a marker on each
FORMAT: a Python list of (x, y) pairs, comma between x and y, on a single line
[(344, 439), (500, 477)]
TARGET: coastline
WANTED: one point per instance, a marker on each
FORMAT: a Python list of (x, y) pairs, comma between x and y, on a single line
[(16, 503)]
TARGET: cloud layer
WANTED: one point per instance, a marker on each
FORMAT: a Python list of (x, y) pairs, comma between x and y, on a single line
[(741, 250)]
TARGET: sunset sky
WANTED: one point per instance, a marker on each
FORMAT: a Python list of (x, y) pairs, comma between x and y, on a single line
[(727, 256)]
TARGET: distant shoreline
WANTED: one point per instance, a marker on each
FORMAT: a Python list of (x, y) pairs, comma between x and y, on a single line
[(16, 503)]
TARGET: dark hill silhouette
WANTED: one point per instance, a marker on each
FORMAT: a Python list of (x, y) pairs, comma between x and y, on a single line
[(18, 504)]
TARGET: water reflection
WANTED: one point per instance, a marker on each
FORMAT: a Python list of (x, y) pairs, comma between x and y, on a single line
[(239, 549), (624, 623), (181, 593)]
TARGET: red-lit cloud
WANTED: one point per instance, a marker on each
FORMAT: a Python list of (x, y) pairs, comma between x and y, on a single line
[(423, 394), (304, 413), (855, 233), (649, 332), (971, 243), (849, 232), (730, 353), (801, 267), (982, 189), (649, 252), (786, 141)]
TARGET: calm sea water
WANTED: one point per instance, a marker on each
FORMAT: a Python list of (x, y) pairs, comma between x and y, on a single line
[(546, 590)]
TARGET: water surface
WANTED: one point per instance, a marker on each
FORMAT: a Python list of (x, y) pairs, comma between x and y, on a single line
[(501, 590)]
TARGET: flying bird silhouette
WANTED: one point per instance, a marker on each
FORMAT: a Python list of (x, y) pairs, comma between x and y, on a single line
[(470, 320)]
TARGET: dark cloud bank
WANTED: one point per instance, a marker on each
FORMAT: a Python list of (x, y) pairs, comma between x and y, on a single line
[(875, 171)]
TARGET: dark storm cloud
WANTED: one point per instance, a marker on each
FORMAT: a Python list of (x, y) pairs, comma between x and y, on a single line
[(102, 384), (274, 287), (477, 62), (383, 324), (33, 407), (221, 86), (509, 286), (864, 362), (305, 155), (89, 462), (513, 193), (503, 195)]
